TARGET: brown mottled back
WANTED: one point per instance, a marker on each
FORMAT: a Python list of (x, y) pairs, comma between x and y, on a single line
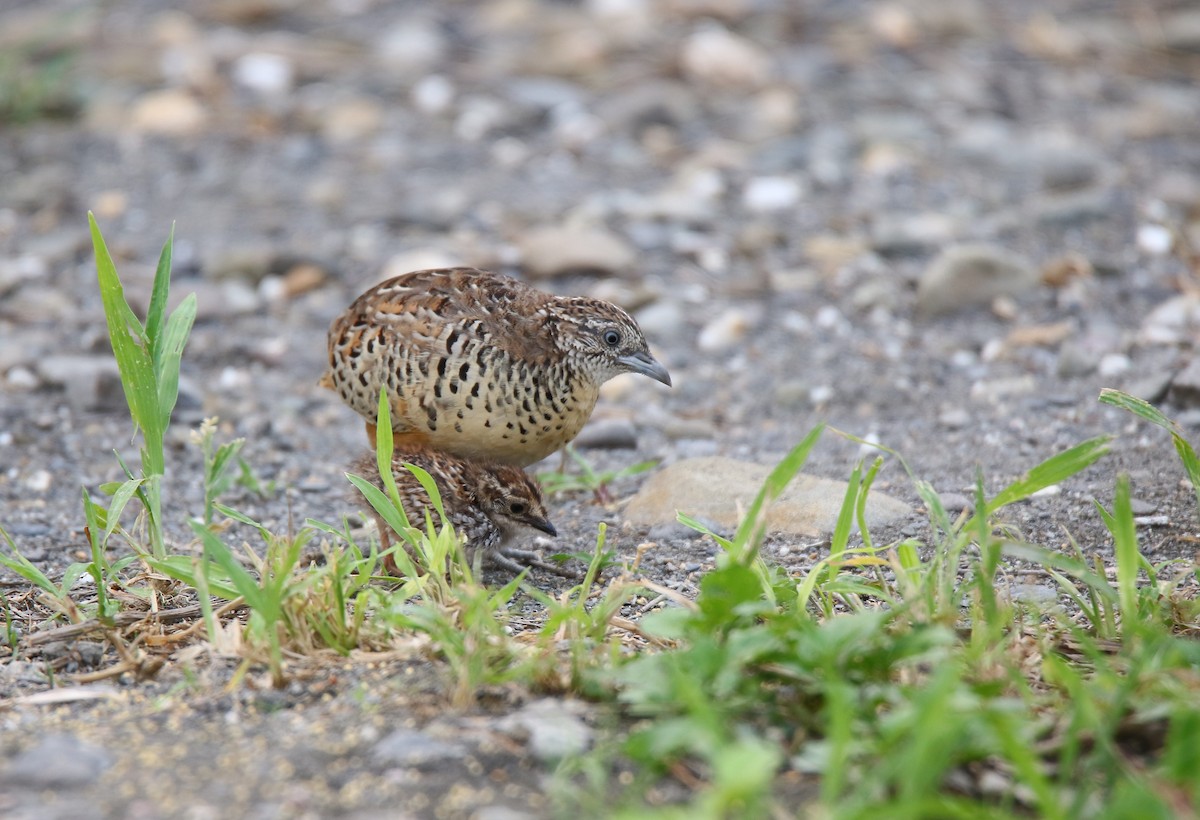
[(479, 364)]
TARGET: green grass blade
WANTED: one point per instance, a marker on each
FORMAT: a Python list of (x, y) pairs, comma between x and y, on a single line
[(1051, 471), (159, 294), (169, 355), (120, 498), (1125, 547), (841, 530), (752, 526), (131, 348), (245, 583), (1147, 411)]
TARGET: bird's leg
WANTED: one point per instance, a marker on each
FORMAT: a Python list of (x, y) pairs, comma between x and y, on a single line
[(371, 434), (516, 560)]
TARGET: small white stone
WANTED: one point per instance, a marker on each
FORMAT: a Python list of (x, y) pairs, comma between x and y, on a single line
[(39, 481), (1048, 492), (231, 378), (719, 57), (821, 394), (418, 259), (775, 193), (269, 74), (1114, 364), (724, 331), (869, 447), (829, 318), (433, 94), (21, 378), (1155, 239)]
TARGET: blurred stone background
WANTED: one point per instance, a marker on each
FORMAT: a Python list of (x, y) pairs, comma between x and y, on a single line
[(943, 226)]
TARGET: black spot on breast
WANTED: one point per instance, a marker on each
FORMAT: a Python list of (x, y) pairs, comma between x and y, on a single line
[(437, 389), (441, 367), (454, 387), (509, 425), (457, 427), (475, 389), (464, 371)]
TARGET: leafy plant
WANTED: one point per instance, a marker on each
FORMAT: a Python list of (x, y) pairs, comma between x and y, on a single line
[(148, 359)]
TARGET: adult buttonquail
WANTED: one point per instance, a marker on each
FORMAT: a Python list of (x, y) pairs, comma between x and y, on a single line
[(492, 506), (479, 364)]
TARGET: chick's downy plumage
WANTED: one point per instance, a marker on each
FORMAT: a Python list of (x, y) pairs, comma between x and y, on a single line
[(492, 506)]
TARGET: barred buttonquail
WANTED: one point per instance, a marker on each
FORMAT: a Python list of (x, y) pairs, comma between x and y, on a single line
[(490, 505), (480, 364)]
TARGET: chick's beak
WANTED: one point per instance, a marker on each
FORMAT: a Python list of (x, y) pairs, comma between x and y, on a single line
[(543, 525), (647, 365)]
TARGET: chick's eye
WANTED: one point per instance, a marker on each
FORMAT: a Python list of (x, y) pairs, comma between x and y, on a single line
[(517, 508), (612, 338)]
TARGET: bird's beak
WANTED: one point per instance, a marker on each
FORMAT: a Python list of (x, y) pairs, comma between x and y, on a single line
[(645, 364), (543, 525)]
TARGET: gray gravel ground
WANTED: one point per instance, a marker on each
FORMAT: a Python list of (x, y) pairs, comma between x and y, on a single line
[(944, 226)]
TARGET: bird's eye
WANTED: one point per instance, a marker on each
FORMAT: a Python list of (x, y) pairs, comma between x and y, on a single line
[(612, 338), (517, 508)]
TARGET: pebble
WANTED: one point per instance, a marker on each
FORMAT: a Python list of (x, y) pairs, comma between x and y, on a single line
[(352, 120), (264, 73), (955, 503), (552, 728), (954, 418), (721, 488), (557, 250), (433, 94), (411, 47), (664, 319), (57, 761), (675, 531), (1172, 322), (905, 234), (1155, 240), (91, 382), (39, 481), (612, 434), (964, 276), (170, 112), (764, 194), (1114, 364), (996, 390), (727, 329), (716, 56), (1039, 595), (20, 379), (408, 747), (1185, 387)]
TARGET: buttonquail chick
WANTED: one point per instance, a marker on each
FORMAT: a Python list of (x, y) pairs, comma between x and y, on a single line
[(479, 364), (490, 505)]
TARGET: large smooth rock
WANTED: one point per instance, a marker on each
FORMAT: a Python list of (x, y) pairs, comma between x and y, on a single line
[(719, 489)]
